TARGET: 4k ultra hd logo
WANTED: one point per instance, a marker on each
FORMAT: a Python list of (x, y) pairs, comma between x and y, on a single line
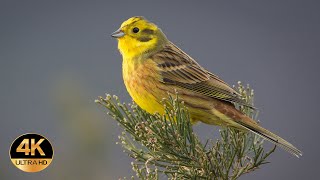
[(31, 152)]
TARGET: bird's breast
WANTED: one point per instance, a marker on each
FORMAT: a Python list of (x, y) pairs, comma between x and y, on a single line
[(141, 81)]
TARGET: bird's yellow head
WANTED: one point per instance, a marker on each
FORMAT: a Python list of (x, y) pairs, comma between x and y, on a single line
[(137, 36)]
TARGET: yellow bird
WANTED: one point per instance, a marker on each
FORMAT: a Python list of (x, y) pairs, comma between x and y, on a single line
[(153, 66)]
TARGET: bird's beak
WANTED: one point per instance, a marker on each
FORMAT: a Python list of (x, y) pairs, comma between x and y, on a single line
[(117, 34)]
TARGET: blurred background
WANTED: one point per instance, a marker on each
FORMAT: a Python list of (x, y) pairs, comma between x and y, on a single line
[(57, 57)]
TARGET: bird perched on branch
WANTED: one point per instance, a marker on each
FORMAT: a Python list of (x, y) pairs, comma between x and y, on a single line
[(153, 67)]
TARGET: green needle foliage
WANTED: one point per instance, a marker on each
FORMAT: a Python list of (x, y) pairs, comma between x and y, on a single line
[(166, 146)]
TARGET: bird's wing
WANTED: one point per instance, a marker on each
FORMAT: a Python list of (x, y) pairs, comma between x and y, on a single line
[(178, 68)]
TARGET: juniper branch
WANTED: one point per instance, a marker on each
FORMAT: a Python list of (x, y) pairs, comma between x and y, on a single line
[(167, 145)]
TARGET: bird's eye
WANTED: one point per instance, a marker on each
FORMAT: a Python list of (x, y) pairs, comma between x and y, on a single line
[(135, 30)]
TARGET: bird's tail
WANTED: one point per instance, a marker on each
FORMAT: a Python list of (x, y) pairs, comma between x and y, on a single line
[(250, 125)]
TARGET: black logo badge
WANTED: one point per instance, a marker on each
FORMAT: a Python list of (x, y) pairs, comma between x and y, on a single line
[(31, 152)]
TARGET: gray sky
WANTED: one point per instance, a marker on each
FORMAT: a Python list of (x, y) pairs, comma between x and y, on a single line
[(57, 57)]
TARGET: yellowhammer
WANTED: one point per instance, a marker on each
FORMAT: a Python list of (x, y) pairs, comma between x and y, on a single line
[(153, 67)]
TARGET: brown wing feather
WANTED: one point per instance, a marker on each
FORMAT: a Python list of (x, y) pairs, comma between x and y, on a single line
[(181, 70)]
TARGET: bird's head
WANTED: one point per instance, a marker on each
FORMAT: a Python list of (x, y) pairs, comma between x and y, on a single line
[(137, 36)]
